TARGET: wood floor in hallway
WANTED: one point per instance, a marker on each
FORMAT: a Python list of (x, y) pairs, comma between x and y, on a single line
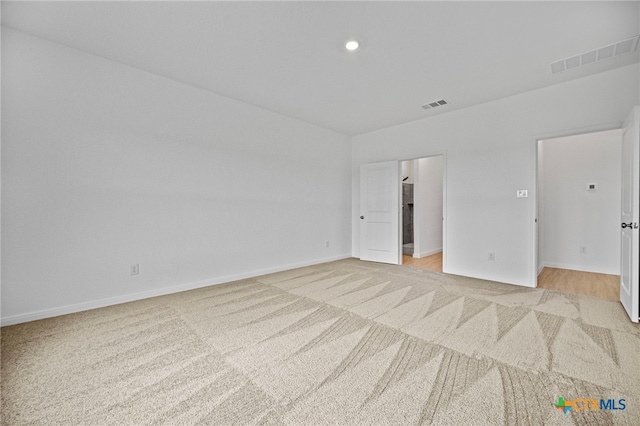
[(432, 262), (588, 283), (578, 282)]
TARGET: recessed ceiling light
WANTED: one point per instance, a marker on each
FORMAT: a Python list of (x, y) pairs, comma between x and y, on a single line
[(352, 45)]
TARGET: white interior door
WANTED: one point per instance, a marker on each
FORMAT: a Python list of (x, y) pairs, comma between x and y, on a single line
[(379, 212), (629, 294)]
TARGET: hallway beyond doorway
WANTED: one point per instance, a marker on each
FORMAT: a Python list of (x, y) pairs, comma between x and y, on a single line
[(432, 262)]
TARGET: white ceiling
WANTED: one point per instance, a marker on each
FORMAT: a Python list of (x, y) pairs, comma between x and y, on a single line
[(289, 57)]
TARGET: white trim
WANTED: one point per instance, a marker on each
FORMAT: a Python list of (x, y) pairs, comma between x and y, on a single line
[(427, 253), (101, 303), (535, 219), (445, 221), (580, 268)]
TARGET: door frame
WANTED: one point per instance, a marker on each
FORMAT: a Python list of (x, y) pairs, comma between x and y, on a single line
[(442, 154), (534, 209)]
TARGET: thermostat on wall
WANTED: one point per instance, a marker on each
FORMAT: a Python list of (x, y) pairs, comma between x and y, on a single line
[(592, 187)]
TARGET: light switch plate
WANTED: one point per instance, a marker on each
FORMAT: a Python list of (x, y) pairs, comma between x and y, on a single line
[(522, 193)]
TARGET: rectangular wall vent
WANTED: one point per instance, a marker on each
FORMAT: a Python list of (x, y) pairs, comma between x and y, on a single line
[(434, 104), (606, 52)]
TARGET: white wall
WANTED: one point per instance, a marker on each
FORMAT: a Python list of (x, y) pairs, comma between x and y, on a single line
[(407, 170), (104, 166), (490, 153), (574, 217), (428, 206)]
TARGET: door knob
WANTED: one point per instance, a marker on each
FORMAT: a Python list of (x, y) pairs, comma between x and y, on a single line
[(630, 225), (361, 217)]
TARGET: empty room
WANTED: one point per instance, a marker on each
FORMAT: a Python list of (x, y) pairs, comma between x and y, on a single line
[(310, 213)]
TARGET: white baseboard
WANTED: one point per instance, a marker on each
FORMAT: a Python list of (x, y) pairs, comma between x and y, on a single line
[(427, 253), (101, 303), (609, 271)]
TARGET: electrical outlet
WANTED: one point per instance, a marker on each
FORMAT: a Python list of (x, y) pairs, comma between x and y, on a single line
[(583, 249), (134, 269), (492, 255), (326, 244)]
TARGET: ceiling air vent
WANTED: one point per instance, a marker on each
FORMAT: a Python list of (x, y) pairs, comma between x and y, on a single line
[(434, 104), (605, 52)]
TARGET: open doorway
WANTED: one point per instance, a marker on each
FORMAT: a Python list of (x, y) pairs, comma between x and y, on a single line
[(422, 212), (579, 199)]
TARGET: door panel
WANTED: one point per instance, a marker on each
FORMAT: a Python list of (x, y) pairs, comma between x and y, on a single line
[(378, 236), (379, 204), (629, 292)]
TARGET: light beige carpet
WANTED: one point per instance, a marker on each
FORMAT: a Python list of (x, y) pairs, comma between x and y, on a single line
[(346, 342)]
